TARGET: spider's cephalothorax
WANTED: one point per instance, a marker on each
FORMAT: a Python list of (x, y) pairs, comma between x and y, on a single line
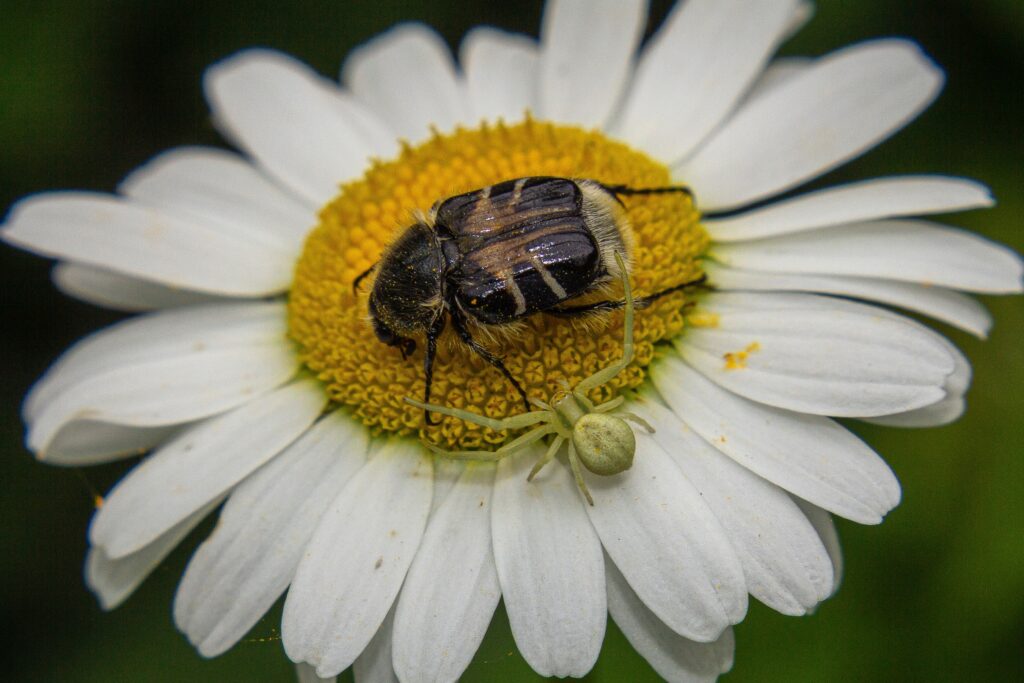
[(597, 439), (498, 254)]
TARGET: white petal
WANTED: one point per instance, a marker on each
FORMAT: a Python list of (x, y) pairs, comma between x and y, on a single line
[(780, 71), (446, 472), (200, 465), (245, 565), (221, 189), (114, 580), (121, 292), (296, 124), (675, 658), (160, 335), (136, 240), (374, 664), (165, 391), (89, 443), (406, 76), (304, 673), (452, 588), (501, 73), (817, 355), (810, 456), (945, 411), (826, 529), (909, 251), (587, 50), (942, 304), (941, 413), (861, 201), (666, 541), (695, 70), (550, 566), (801, 14), (784, 562), (355, 563), (845, 104)]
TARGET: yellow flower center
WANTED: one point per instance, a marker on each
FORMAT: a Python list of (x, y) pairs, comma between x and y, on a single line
[(331, 324)]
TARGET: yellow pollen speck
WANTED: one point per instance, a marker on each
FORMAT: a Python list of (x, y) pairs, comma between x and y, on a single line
[(331, 324), (737, 360), (701, 318)]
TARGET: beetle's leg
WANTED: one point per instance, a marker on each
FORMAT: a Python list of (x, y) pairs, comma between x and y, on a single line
[(577, 473), (514, 422), (460, 327), (609, 372), (638, 303), (492, 456), (361, 277), (556, 443), (428, 365), (627, 191)]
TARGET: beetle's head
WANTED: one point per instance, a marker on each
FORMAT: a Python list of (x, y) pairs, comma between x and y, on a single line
[(407, 289), (387, 335)]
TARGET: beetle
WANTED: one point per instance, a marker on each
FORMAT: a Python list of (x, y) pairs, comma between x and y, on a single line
[(498, 254)]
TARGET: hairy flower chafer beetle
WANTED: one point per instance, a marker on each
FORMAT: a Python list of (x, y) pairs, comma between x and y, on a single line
[(497, 254)]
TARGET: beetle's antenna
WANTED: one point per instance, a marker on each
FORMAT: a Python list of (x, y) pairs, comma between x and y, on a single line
[(627, 191)]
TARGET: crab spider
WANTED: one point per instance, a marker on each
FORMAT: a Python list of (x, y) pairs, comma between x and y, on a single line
[(598, 440)]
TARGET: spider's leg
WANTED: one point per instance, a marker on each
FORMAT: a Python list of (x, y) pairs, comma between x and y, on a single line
[(493, 456), (577, 473), (608, 373), (514, 422), (556, 443), (637, 419), (609, 406)]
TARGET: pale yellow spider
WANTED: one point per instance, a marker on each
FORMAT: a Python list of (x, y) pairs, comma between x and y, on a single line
[(602, 442)]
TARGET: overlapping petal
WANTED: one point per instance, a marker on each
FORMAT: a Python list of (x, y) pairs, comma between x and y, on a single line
[(675, 658), (866, 200), (904, 250), (840, 107), (810, 456), (199, 465), (940, 303), (406, 77), (784, 562), (163, 369), (501, 74), (357, 559), (133, 239), (587, 49), (236, 575), (696, 68), (669, 546), (451, 590), (294, 123), (550, 567)]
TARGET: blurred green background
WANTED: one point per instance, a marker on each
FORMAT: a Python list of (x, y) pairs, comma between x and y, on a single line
[(90, 90)]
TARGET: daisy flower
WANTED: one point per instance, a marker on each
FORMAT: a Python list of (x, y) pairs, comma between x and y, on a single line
[(254, 383)]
